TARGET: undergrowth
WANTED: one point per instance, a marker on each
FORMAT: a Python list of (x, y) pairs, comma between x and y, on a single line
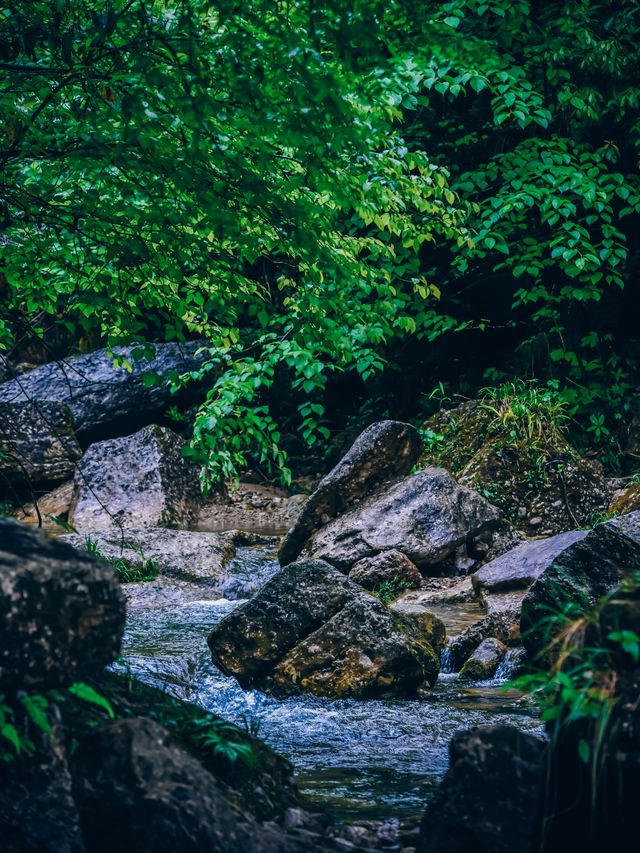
[(126, 571)]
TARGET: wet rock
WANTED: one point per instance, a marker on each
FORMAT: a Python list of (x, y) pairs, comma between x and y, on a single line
[(138, 481), (430, 626), (385, 450), (37, 442), (391, 567), (175, 553), (361, 652), (580, 575), (489, 798), (296, 602), (61, 612), (519, 568), (49, 509), (104, 400), (503, 626), (309, 628), (37, 809), (137, 790), (427, 516), (484, 661)]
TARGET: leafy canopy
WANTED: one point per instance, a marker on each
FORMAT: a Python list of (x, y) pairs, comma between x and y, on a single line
[(308, 187)]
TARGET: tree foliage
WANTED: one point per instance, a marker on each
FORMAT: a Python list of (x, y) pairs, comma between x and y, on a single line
[(311, 188)]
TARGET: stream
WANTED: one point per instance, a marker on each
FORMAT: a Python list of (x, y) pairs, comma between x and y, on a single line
[(356, 759)]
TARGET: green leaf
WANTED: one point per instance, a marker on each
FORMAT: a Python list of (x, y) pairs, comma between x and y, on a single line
[(88, 694)]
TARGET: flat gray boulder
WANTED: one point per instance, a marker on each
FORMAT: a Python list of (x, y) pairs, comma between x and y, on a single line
[(102, 398), (519, 568), (385, 450), (61, 612), (137, 481), (175, 553), (584, 572), (37, 442), (428, 516), (309, 629)]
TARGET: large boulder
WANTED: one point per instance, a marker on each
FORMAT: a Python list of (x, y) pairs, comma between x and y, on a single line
[(581, 574), (520, 568), (37, 442), (385, 450), (591, 797), (104, 400), (61, 612), (428, 516), (138, 481), (136, 789), (490, 796), (390, 567), (309, 628), (363, 652), (175, 553)]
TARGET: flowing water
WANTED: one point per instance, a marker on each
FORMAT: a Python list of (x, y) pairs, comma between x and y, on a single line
[(373, 759)]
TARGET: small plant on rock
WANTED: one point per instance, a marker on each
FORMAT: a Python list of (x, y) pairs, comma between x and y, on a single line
[(126, 571), (387, 591)]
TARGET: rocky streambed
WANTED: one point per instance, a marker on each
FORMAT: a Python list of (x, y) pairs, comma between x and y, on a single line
[(374, 759)]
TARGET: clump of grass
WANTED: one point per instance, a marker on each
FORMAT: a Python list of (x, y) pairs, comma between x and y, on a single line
[(126, 571), (526, 412), (387, 591)]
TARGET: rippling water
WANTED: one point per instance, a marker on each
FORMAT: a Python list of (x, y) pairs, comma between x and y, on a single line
[(373, 759)]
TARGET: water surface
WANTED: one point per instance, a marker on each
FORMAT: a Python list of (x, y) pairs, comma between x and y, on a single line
[(373, 759)]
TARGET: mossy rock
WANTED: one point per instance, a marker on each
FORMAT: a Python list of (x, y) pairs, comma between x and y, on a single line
[(542, 485), (258, 781)]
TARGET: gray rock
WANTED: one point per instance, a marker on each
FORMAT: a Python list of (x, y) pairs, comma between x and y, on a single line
[(47, 508), (61, 612), (292, 605), (576, 579), (392, 567), (484, 661), (519, 568), (427, 516), (431, 626), (104, 399), (37, 442), (385, 450), (136, 789), (309, 628), (361, 652), (490, 797), (503, 625), (134, 482), (176, 553)]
